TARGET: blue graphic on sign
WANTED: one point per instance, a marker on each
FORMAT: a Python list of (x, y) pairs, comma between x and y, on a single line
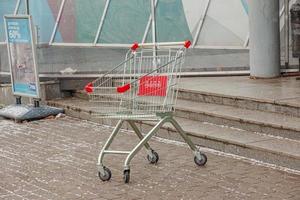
[(29, 89), (18, 31)]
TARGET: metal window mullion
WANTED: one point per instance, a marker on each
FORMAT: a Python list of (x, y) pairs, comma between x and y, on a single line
[(282, 10), (153, 28), (17, 7), (101, 22), (148, 25), (281, 13), (221, 47), (287, 32), (246, 43), (201, 22), (27, 7), (57, 21)]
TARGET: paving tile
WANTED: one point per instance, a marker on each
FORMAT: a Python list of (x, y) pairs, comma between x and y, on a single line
[(55, 159)]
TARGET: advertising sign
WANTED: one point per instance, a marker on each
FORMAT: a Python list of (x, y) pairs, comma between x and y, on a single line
[(22, 56), (153, 86)]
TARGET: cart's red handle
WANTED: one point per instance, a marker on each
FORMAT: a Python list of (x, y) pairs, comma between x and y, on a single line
[(187, 44), (123, 88), (89, 88), (135, 46)]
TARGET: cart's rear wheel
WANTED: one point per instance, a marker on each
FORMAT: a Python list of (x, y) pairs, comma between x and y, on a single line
[(154, 158), (126, 176), (202, 161), (106, 176)]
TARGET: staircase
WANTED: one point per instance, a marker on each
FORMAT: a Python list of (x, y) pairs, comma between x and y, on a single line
[(260, 129)]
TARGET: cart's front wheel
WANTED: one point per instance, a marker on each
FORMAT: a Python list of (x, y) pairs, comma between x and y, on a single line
[(106, 176), (153, 159), (202, 161), (126, 176)]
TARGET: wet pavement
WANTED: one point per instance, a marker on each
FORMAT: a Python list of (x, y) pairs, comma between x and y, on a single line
[(281, 90), (55, 159)]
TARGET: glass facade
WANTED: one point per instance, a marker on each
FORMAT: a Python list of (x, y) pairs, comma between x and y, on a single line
[(125, 22), (206, 22), (6, 7)]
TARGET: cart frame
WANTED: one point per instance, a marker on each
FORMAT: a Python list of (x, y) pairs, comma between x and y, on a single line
[(160, 118)]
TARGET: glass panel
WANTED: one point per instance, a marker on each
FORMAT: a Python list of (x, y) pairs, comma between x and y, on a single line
[(66, 27), (171, 22), (149, 36), (194, 13), (6, 7), (79, 21), (125, 21), (245, 5), (44, 16), (226, 24), (22, 8), (44, 13)]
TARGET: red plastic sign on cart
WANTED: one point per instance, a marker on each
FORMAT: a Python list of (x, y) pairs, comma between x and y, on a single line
[(153, 86)]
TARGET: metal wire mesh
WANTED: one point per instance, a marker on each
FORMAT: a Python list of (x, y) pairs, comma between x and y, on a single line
[(143, 86)]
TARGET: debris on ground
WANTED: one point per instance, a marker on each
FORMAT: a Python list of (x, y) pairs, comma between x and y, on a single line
[(60, 115), (50, 117), (68, 70)]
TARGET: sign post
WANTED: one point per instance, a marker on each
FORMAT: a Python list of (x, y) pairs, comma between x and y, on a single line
[(21, 47)]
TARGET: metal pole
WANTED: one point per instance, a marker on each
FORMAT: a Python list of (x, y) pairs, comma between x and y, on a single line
[(18, 100), (27, 7), (153, 21), (36, 35), (101, 22), (264, 38), (148, 25), (201, 23), (57, 21), (17, 7), (287, 32), (153, 31), (36, 103)]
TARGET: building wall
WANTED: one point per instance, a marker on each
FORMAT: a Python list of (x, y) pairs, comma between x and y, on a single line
[(94, 60), (223, 24)]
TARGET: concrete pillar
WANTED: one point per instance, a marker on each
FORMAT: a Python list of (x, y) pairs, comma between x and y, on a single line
[(264, 38)]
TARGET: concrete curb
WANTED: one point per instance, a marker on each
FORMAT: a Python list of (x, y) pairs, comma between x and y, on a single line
[(240, 102), (245, 124)]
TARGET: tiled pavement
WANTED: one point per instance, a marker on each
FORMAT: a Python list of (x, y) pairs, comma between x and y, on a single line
[(55, 159)]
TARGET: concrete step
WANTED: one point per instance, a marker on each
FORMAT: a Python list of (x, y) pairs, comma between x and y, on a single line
[(252, 120), (274, 150), (81, 94), (288, 107), (278, 151)]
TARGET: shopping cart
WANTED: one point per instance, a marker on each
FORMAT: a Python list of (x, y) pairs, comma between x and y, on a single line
[(141, 88)]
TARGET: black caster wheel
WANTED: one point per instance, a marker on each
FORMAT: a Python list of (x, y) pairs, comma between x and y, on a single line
[(201, 162), (126, 176), (106, 176), (154, 158)]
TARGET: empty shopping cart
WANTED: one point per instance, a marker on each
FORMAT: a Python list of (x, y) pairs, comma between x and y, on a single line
[(141, 88)]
